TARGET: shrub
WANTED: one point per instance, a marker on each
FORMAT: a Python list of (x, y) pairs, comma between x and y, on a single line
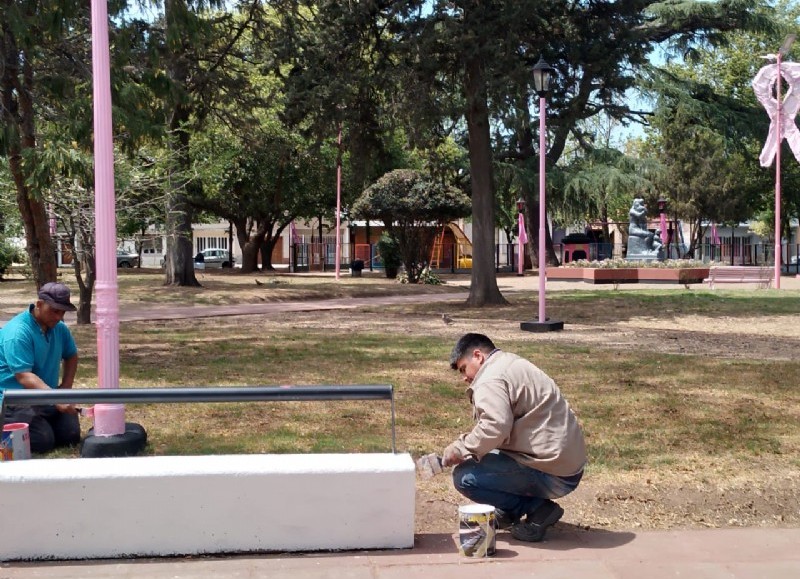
[(8, 255), (427, 277)]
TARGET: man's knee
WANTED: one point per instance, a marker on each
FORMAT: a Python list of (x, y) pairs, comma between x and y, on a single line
[(41, 436), (66, 430), (464, 475)]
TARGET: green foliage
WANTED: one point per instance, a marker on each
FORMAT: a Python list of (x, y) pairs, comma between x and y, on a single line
[(411, 206), (407, 197), (602, 182), (9, 254), (389, 251), (427, 277)]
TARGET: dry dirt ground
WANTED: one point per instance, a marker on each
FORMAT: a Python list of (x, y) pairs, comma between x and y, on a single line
[(692, 495), (698, 493)]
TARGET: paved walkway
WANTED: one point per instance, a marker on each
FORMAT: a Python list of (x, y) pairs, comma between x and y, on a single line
[(567, 554), (508, 284)]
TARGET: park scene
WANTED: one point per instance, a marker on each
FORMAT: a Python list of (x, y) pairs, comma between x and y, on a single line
[(245, 207)]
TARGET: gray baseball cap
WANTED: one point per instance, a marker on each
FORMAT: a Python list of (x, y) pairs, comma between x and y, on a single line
[(57, 296)]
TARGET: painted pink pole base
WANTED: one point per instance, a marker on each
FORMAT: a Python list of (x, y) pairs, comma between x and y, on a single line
[(109, 419)]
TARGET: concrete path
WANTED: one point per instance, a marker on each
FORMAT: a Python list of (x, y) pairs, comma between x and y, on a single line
[(568, 553), (509, 284)]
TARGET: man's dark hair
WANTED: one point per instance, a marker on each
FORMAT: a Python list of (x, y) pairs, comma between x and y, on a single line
[(466, 344)]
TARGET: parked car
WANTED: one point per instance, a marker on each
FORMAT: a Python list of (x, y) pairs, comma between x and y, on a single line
[(791, 267), (213, 258), (127, 259)]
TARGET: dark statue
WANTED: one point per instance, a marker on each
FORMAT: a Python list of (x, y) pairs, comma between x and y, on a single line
[(643, 244)]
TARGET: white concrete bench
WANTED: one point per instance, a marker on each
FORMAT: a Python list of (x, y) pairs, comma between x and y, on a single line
[(740, 274), (182, 505)]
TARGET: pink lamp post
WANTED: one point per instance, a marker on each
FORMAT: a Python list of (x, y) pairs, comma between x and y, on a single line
[(112, 436), (542, 73), (777, 265), (522, 237), (662, 206), (783, 51), (776, 107), (339, 205)]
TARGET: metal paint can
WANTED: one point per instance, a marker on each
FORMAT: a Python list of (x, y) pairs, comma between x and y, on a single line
[(477, 530), (16, 442)]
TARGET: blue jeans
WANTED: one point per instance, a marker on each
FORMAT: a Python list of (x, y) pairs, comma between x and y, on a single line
[(502, 482)]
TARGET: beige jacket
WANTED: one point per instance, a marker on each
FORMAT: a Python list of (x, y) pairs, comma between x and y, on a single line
[(520, 411)]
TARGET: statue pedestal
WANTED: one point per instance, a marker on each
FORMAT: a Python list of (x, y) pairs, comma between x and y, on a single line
[(648, 256)]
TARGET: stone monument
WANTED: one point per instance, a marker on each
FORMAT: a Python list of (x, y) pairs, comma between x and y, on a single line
[(643, 244)]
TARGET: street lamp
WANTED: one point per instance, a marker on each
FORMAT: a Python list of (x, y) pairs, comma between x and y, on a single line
[(542, 73), (522, 237), (113, 436), (351, 229), (782, 51), (338, 203), (665, 238)]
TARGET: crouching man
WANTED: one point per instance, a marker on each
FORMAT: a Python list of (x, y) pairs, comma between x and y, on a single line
[(526, 447)]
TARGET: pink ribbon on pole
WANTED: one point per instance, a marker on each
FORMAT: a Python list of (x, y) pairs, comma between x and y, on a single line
[(766, 78), (523, 236)]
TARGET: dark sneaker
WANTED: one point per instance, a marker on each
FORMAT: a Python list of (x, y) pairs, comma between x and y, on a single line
[(536, 523), (504, 520)]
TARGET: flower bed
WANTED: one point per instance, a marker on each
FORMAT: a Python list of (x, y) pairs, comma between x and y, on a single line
[(621, 271)]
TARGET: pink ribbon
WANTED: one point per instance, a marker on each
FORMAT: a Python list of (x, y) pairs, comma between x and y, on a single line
[(523, 236), (763, 87)]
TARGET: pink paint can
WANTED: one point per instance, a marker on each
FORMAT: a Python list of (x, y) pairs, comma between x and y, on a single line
[(16, 442)]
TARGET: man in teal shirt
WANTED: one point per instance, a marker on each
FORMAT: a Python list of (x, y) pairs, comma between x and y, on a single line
[(34, 346)]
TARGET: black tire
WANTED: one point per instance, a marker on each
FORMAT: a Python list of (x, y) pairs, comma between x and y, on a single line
[(226, 264), (125, 264), (130, 443)]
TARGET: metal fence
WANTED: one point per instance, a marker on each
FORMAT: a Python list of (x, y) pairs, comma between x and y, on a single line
[(322, 256)]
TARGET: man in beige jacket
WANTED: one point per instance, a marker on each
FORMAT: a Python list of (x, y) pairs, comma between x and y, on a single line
[(526, 448)]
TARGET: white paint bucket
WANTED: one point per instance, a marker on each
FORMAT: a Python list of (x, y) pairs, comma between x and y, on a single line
[(477, 530), (16, 441)]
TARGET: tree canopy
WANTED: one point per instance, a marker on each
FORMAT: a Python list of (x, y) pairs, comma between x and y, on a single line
[(412, 207)]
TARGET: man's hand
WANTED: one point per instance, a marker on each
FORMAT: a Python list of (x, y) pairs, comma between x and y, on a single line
[(452, 456), (67, 408)]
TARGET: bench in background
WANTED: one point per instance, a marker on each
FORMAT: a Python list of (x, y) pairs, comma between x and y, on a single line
[(740, 274)]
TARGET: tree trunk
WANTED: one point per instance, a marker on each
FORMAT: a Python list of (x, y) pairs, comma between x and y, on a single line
[(250, 253), (179, 266), (18, 117), (179, 257), (483, 287), (85, 287), (268, 246), (251, 249), (266, 254)]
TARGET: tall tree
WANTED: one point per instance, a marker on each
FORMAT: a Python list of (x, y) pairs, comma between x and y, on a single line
[(198, 52), (33, 34), (261, 182)]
